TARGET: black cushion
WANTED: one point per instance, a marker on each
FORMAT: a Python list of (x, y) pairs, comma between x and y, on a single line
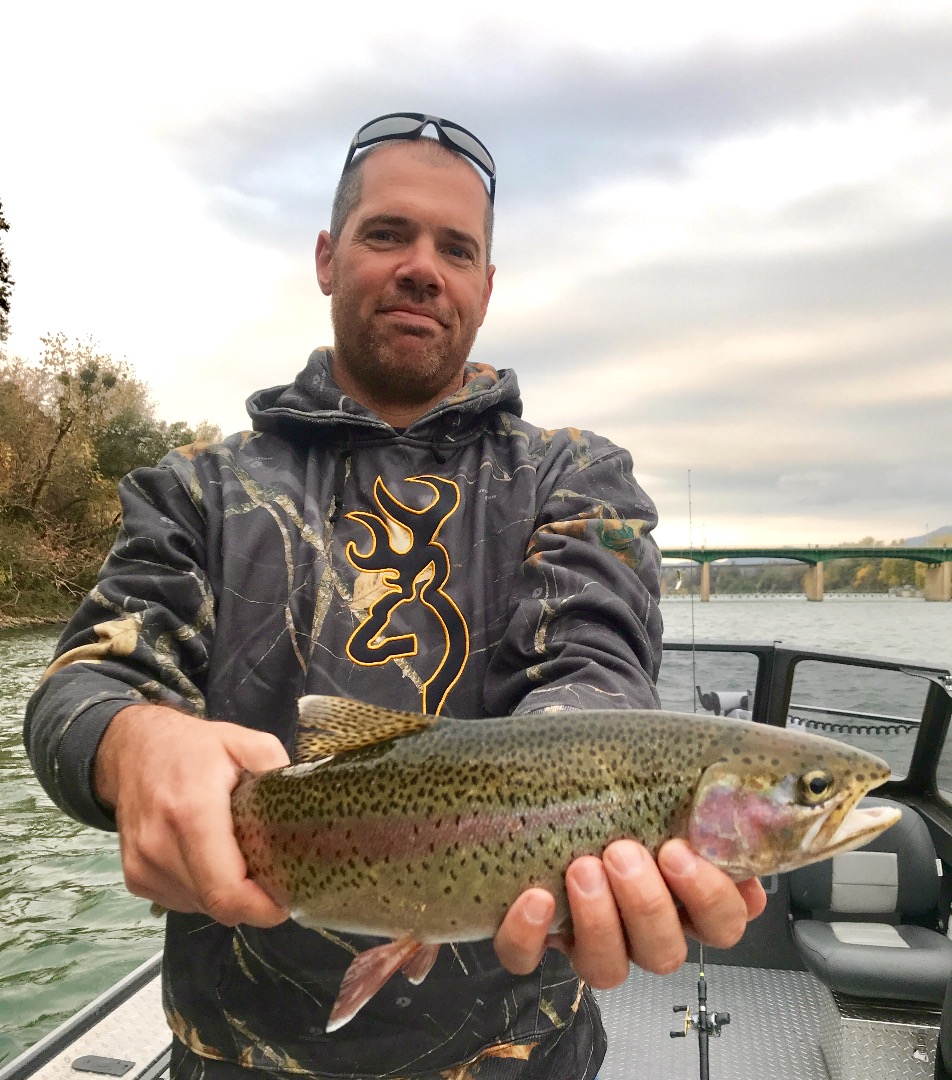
[(902, 890), (917, 973)]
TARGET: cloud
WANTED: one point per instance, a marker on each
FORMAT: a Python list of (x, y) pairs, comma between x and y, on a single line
[(724, 240), (565, 118)]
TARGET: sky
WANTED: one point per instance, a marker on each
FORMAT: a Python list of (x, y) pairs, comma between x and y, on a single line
[(723, 232)]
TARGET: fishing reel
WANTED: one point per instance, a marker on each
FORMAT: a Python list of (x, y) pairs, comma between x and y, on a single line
[(708, 1023)]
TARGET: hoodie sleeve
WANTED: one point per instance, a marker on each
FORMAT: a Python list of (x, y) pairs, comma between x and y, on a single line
[(585, 625), (142, 634)]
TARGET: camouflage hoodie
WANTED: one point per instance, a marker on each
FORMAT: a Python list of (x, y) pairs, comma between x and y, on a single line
[(471, 565)]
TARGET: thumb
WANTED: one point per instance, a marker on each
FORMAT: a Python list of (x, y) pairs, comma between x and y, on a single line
[(257, 751)]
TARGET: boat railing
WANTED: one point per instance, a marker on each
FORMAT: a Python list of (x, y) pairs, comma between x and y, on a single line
[(860, 723), (41, 1054)]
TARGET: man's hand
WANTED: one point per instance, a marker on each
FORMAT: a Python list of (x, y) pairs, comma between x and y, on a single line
[(625, 908), (169, 777)]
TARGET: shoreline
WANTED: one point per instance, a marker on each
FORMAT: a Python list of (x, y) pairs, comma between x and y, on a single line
[(22, 622)]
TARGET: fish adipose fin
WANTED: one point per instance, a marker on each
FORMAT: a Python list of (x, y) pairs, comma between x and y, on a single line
[(333, 725), (371, 969)]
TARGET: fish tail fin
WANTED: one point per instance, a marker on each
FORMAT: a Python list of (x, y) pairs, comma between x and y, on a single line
[(371, 969)]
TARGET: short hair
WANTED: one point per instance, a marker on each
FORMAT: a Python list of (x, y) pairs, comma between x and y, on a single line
[(350, 186)]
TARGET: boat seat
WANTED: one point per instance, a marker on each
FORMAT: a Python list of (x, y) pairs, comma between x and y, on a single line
[(872, 916)]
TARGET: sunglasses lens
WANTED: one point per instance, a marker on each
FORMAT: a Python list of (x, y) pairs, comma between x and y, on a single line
[(411, 126), (470, 145), (387, 127)]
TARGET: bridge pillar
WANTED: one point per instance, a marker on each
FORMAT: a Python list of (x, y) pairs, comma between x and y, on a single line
[(705, 581), (813, 582), (938, 584)]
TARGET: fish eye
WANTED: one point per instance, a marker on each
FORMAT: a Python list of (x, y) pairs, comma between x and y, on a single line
[(814, 786)]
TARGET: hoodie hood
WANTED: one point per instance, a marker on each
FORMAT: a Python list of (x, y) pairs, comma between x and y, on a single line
[(315, 404)]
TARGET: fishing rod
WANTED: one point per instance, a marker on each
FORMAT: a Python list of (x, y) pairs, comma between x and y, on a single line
[(706, 1024)]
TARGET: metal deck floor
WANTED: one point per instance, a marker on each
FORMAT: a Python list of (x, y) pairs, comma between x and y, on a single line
[(638, 1017)]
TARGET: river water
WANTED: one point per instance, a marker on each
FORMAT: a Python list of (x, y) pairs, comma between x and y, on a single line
[(68, 929)]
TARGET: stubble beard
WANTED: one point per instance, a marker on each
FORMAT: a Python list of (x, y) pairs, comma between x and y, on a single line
[(410, 367)]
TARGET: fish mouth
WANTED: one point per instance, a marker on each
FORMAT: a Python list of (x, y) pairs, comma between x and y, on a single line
[(858, 826)]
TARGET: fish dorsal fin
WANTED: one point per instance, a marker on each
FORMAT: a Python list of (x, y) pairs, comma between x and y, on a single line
[(332, 725)]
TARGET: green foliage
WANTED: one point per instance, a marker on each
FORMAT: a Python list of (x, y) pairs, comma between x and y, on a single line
[(6, 282), (71, 425), (130, 440)]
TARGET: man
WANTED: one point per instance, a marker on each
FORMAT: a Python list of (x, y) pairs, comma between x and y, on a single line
[(391, 532)]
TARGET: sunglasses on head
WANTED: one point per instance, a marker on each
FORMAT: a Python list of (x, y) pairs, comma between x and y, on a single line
[(410, 126)]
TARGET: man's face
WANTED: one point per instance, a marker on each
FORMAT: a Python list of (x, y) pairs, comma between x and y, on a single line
[(407, 277)]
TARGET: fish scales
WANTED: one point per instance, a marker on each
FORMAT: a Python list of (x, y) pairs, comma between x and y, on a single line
[(434, 834)]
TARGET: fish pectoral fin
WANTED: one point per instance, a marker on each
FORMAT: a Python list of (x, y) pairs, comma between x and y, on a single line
[(367, 974), (419, 964), (332, 725)]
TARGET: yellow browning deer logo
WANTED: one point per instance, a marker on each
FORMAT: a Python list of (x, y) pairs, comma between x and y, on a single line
[(412, 566)]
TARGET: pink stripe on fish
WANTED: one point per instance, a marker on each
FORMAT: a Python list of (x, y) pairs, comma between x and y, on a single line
[(406, 837)]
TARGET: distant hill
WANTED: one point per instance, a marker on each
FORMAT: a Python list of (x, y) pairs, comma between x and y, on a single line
[(929, 537)]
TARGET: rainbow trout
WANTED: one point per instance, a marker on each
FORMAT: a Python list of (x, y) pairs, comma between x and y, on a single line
[(425, 829)]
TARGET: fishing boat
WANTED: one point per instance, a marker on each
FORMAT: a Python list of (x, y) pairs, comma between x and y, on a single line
[(844, 975)]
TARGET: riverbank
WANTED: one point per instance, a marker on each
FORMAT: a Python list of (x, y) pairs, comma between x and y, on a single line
[(18, 622)]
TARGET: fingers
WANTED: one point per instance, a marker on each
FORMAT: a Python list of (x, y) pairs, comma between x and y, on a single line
[(646, 908), (754, 896), (257, 751), (628, 907), (600, 950), (716, 910), (521, 939), (171, 778), (213, 871)]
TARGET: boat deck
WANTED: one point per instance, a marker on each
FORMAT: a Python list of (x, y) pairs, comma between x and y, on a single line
[(638, 1017), (776, 1017), (759, 1040)]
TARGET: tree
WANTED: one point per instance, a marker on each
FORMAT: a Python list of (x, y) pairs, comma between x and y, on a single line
[(71, 424), (66, 400), (6, 283)]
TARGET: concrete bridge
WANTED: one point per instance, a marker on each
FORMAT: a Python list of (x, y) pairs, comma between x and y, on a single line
[(937, 561)]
